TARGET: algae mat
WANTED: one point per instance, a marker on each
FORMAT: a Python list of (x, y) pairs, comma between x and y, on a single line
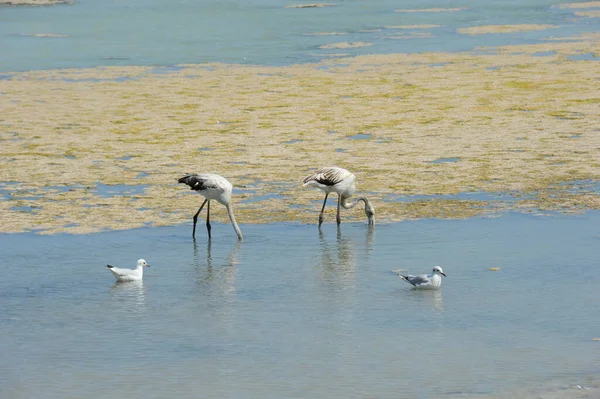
[(93, 149)]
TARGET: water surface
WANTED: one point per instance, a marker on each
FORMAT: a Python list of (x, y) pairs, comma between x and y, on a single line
[(291, 312), (152, 32)]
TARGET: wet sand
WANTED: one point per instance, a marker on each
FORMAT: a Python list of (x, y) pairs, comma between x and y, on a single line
[(522, 120)]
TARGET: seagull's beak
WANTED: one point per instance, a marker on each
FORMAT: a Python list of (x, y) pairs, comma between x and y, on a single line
[(147, 264), (443, 274)]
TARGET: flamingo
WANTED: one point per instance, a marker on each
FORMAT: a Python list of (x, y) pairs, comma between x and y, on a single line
[(338, 180), (431, 281), (129, 274), (211, 186)]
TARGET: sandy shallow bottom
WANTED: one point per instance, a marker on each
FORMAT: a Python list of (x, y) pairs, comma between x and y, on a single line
[(85, 150)]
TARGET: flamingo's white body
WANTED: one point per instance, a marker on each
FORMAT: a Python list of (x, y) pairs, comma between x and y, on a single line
[(129, 274), (212, 187), (431, 281), (332, 179)]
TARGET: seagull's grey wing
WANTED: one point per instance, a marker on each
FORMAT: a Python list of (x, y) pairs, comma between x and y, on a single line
[(328, 176), (421, 279), (117, 271)]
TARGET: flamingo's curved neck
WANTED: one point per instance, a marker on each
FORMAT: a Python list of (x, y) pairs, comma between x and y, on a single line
[(349, 205), (233, 222)]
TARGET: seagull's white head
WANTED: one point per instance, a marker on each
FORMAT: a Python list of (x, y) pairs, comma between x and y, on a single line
[(438, 270), (142, 262)]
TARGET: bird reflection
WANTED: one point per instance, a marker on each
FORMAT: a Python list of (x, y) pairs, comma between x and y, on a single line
[(337, 269), (431, 298), (370, 238), (216, 276), (130, 291), (338, 260)]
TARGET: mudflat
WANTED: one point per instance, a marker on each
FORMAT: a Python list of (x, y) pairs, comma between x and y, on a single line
[(85, 150)]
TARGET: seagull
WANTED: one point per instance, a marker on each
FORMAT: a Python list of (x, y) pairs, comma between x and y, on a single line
[(129, 274), (431, 281), (338, 180), (211, 186)]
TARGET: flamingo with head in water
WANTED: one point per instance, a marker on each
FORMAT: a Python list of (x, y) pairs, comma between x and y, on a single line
[(332, 179), (211, 187)]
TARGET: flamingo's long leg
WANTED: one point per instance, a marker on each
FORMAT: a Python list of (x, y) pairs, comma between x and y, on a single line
[(208, 219), (338, 219), (322, 210), (196, 218)]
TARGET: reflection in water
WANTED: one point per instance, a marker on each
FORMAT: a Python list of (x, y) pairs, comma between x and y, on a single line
[(370, 239), (304, 315), (337, 269), (130, 291), (430, 305), (217, 276), (338, 260), (215, 282), (432, 298)]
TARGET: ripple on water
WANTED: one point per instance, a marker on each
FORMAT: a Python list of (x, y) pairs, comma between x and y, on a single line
[(293, 302)]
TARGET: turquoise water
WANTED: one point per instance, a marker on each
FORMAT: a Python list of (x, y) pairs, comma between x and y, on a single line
[(294, 313), (153, 32)]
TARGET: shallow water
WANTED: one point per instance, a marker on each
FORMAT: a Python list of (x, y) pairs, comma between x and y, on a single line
[(290, 312), (153, 32)]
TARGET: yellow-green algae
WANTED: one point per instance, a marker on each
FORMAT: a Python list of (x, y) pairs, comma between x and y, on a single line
[(44, 35), (586, 4), (423, 26), (515, 121), (431, 10), (588, 14), (311, 5), (345, 45), (34, 2), (413, 35), (486, 29)]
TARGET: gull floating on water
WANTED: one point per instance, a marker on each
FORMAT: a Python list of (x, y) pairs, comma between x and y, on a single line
[(431, 281), (129, 274)]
